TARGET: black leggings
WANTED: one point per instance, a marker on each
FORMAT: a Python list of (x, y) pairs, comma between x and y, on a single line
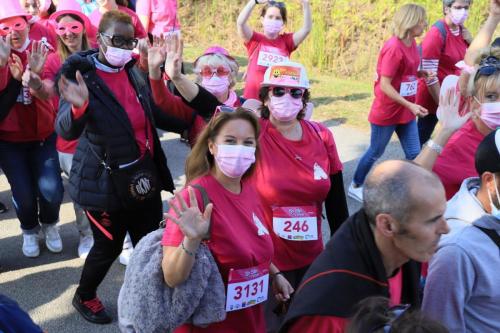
[(138, 223)]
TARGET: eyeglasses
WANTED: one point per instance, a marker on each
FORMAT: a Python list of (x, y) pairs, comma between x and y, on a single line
[(488, 67), (120, 41), (17, 24), (278, 4), (394, 313), (296, 93), (220, 71), (73, 27)]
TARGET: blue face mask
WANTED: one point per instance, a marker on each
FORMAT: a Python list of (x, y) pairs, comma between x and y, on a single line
[(495, 212)]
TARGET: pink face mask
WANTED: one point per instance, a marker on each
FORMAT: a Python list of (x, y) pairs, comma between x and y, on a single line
[(285, 108), (490, 114), (216, 85), (458, 16), (272, 27), (234, 160)]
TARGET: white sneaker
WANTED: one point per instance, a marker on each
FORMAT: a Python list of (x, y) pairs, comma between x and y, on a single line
[(125, 256), (31, 248), (356, 192), (84, 246), (52, 238)]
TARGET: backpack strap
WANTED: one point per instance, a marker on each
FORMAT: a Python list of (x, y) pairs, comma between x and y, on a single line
[(492, 234), (206, 201), (440, 25)]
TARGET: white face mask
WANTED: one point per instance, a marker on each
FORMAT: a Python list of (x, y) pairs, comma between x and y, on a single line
[(234, 160), (458, 16)]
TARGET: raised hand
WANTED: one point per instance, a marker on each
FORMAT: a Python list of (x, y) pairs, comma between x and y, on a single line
[(37, 56), (16, 67), (495, 8), (448, 111), (173, 62), (75, 93), (5, 49), (32, 80), (157, 54), (193, 224)]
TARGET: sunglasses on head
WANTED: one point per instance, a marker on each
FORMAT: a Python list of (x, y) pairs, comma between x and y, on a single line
[(17, 24), (120, 41), (220, 71), (73, 27), (394, 313), (281, 91), (278, 4), (487, 67)]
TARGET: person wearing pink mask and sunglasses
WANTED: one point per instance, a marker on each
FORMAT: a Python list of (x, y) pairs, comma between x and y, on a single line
[(272, 46), (71, 26)]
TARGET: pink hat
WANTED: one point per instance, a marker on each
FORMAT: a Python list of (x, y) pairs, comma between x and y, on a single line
[(215, 49), (72, 7), (12, 8)]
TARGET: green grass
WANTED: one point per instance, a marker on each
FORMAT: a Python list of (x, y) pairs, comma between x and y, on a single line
[(336, 100)]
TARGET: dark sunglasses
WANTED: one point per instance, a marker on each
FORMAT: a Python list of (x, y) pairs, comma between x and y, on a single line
[(487, 67), (394, 312), (278, 4), (120, 42), (281, 91)]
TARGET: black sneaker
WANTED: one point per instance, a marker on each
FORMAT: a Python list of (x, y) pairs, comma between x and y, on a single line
[(3, 208), (92, 310)]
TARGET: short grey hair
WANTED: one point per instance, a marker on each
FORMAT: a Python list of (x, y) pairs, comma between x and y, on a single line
[(392, 193), (449, 3)]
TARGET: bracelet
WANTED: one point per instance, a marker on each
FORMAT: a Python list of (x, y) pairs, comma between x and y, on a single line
[(276, 274), (434, 146), (186, 250)]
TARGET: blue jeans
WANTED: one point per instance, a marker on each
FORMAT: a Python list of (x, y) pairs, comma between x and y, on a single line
[(32, 169), (380, 137)]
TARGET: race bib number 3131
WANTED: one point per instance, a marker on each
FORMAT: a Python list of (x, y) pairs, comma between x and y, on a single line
[(247, 287)]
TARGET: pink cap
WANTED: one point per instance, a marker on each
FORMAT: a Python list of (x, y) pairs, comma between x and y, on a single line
[(12, 8), (215, 49), (70, 7)]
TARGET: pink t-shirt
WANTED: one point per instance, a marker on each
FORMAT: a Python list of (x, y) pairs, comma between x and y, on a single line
[(456, 163), (262, 52), (237, 240), (400, 62), (295, 176), (162, 15), (122, 89), (96, 16)]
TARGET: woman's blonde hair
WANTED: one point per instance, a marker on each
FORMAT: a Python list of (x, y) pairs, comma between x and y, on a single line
[(215, 60), (477, 86), (63, 51), (200, 161), (406, 18)]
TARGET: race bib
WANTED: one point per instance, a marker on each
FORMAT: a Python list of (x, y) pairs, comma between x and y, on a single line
[(267, 59), (408, 86), (247, 287), (296, 223)]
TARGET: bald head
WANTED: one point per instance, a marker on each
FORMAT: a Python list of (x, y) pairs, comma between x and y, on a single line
[(396, 188)]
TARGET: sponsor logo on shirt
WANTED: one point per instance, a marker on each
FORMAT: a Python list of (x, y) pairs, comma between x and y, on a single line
[(261, 230), (319, 173)]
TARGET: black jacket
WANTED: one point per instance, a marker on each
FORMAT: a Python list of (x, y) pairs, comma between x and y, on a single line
[(347, 271), (106, 130)]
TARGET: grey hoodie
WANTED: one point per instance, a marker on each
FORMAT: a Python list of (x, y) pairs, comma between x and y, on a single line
[(464, 208), (463, 286)]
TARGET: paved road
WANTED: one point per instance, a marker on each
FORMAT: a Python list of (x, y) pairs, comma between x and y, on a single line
[(44, 286)]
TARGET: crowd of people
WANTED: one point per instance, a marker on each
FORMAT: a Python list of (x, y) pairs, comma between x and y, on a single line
[(84, 86)]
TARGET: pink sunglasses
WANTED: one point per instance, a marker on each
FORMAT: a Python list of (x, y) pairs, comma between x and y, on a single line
[(74, 27)]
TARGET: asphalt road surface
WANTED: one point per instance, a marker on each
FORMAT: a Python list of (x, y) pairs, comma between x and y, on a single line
[(44, 286)]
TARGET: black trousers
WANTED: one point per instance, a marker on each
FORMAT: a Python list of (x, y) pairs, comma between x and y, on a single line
[(108, 240)]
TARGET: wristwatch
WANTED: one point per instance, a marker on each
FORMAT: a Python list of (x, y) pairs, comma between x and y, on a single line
[(434, 146)]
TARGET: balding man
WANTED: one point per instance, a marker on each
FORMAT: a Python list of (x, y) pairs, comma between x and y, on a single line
[(376, 251)]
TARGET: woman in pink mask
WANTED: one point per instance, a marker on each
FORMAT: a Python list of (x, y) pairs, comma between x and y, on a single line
[(71, 26), (456, 160), (272, 46), (443, 47)]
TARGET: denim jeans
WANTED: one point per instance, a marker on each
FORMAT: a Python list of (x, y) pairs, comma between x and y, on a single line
[(426, 126), (380, 137), (32, 169)]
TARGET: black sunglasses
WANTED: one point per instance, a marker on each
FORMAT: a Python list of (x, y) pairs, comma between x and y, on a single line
[(278, 4), (119, 41), (296, 93), (487, 67)]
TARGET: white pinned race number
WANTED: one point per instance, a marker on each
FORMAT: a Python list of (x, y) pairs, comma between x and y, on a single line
[(296, 223), (247, 287)]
